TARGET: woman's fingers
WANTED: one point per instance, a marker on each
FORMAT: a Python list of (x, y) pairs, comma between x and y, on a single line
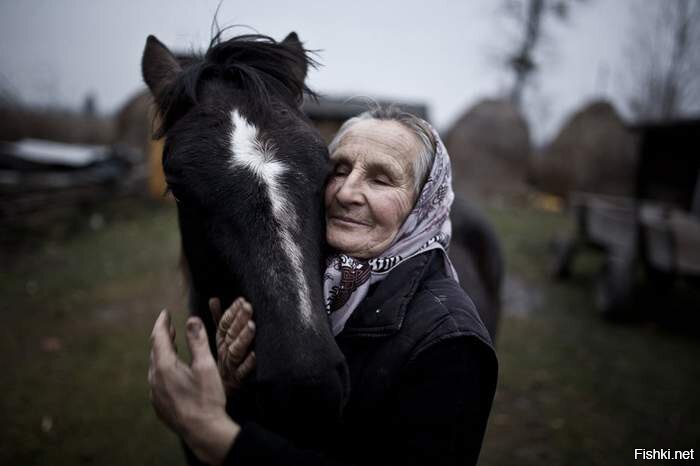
[(162, 345), (215, 309), (233, 376), (234, 335), (244, 315), (238, 348), (246, 366), (173, 334), (228, 320), (198, 343)]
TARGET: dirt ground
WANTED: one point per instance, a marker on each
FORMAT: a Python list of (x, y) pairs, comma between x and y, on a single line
[(77, 309)]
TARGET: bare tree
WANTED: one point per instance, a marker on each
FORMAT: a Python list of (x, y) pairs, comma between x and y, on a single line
[(664, 60), (530, 16)]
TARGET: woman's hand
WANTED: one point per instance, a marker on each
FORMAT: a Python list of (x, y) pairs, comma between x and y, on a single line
[(190, 399), (235, 331)]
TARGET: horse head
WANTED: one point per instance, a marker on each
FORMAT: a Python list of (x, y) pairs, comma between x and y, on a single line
[(248, 169)]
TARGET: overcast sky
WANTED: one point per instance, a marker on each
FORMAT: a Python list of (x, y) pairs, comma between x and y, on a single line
[(442, 53)]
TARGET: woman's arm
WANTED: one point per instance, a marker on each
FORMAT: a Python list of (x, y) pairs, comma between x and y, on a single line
[(441, 409)]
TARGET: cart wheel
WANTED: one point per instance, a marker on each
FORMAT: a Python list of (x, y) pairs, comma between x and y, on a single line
[(562, 255), (614, 288)]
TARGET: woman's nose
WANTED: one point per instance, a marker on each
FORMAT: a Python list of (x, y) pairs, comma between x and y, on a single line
[(350, 191)]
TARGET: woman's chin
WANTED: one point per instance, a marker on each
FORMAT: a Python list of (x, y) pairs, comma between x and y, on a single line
[(344, 241)]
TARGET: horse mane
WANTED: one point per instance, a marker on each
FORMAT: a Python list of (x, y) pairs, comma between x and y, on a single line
[(257, 63)]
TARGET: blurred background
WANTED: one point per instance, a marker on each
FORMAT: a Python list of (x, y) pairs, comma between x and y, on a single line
[(574, 125)]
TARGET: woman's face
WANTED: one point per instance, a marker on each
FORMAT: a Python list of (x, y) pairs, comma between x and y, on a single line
[(371, 189)]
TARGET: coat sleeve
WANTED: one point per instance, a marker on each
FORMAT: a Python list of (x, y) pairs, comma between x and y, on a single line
[(441, 410)]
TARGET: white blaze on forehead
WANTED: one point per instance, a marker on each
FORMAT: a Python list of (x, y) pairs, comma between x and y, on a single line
[(249, 152)]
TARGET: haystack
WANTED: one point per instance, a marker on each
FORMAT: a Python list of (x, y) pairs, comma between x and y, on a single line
[(490, 150), (594, 152)]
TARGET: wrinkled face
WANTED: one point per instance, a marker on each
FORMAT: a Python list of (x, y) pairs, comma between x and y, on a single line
[(371, 189)]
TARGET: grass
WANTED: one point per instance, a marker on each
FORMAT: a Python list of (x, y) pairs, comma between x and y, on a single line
[(75, 321), (575, 390), (77, 311)]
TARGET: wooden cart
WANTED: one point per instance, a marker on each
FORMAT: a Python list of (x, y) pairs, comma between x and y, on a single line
[(653, 236)]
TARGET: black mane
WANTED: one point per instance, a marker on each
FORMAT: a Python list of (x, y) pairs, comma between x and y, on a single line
[(256, 63)]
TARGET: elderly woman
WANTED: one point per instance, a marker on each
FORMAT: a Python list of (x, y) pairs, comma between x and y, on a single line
[(422, 367)]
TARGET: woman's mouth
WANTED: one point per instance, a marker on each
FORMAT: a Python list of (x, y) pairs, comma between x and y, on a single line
[(348, 220)]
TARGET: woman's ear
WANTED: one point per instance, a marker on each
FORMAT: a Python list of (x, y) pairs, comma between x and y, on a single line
[(158, 66)]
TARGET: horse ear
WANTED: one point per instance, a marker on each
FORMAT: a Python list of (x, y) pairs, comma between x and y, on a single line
[(292, 42), (158, 66)]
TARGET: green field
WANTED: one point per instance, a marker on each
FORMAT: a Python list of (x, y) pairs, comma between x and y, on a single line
[(76, 314)]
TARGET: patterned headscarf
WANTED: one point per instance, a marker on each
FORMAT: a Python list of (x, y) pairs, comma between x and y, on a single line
[(347, 279)]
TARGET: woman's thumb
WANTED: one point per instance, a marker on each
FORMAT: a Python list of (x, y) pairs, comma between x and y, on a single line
[(198, 342)]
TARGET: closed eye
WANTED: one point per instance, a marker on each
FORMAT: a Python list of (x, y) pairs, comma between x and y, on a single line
[(341, 170)]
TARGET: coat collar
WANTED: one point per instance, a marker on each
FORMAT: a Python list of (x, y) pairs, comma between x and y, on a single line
[(382, 311)]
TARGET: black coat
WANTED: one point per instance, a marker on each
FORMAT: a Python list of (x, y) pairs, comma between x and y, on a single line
[(423, 376)]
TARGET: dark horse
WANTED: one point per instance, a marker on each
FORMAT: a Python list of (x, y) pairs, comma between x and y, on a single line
[(247, 169), (476, 254)]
